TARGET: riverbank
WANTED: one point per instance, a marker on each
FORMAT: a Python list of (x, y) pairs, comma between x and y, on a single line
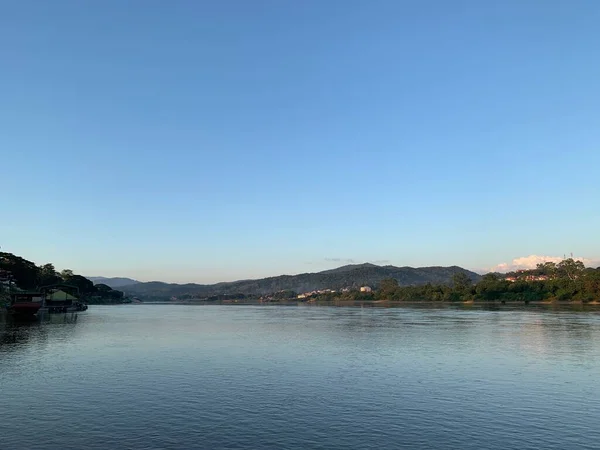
[(471, 304)]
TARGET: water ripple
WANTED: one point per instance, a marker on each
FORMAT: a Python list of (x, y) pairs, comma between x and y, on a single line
[(167, 377)]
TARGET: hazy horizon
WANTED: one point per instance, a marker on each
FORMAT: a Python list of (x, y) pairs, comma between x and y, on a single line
[(215, 141)]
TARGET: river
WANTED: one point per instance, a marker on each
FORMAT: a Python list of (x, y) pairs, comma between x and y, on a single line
[(268, 377)]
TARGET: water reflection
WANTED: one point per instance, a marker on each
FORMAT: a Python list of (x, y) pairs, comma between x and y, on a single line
[(18, 332), (14, 332), (527, 332), (536, 332)]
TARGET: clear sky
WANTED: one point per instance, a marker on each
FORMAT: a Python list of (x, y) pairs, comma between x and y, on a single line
[(217, 140)]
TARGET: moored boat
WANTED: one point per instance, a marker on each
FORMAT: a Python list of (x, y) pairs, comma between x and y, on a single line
[(60, 301), (26, 303)]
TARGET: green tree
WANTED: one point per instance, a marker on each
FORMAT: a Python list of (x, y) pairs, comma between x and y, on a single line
[(546, 268), (571, 269), (66, 274), (48, 275), (25, 273), (388, 288), (461, 282), (84, 285), (491, 287), (591, 285)]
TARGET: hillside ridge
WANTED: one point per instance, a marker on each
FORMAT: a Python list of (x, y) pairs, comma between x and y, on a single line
[(348, 276)]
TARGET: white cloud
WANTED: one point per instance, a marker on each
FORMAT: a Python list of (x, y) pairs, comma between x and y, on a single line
[(531, 261)]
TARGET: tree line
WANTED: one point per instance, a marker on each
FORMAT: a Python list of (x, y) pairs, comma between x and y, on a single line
[(568, 280), (22, 274)]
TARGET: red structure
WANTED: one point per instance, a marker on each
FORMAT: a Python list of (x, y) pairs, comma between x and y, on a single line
[(26, 303)]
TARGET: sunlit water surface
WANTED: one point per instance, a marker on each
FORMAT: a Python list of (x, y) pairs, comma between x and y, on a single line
[(255, 377)]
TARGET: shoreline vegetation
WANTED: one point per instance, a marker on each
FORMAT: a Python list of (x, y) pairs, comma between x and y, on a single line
[(566, 283), (549, 284), (18, 274)]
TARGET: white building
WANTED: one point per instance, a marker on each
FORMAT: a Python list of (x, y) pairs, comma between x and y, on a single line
[(365, 289)]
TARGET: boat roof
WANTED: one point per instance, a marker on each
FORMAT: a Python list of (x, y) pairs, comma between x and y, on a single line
[(60, 295)]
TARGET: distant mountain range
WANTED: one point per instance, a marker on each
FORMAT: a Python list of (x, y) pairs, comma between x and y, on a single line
[(113, 282), (354, 275)]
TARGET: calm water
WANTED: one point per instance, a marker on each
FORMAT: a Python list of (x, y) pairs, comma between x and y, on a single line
[(226, 377)]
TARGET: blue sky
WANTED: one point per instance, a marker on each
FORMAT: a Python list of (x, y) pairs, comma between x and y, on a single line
[(207, 141)]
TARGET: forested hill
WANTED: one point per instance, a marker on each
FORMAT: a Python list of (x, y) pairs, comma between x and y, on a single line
[(351, 276), (18, 274)]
